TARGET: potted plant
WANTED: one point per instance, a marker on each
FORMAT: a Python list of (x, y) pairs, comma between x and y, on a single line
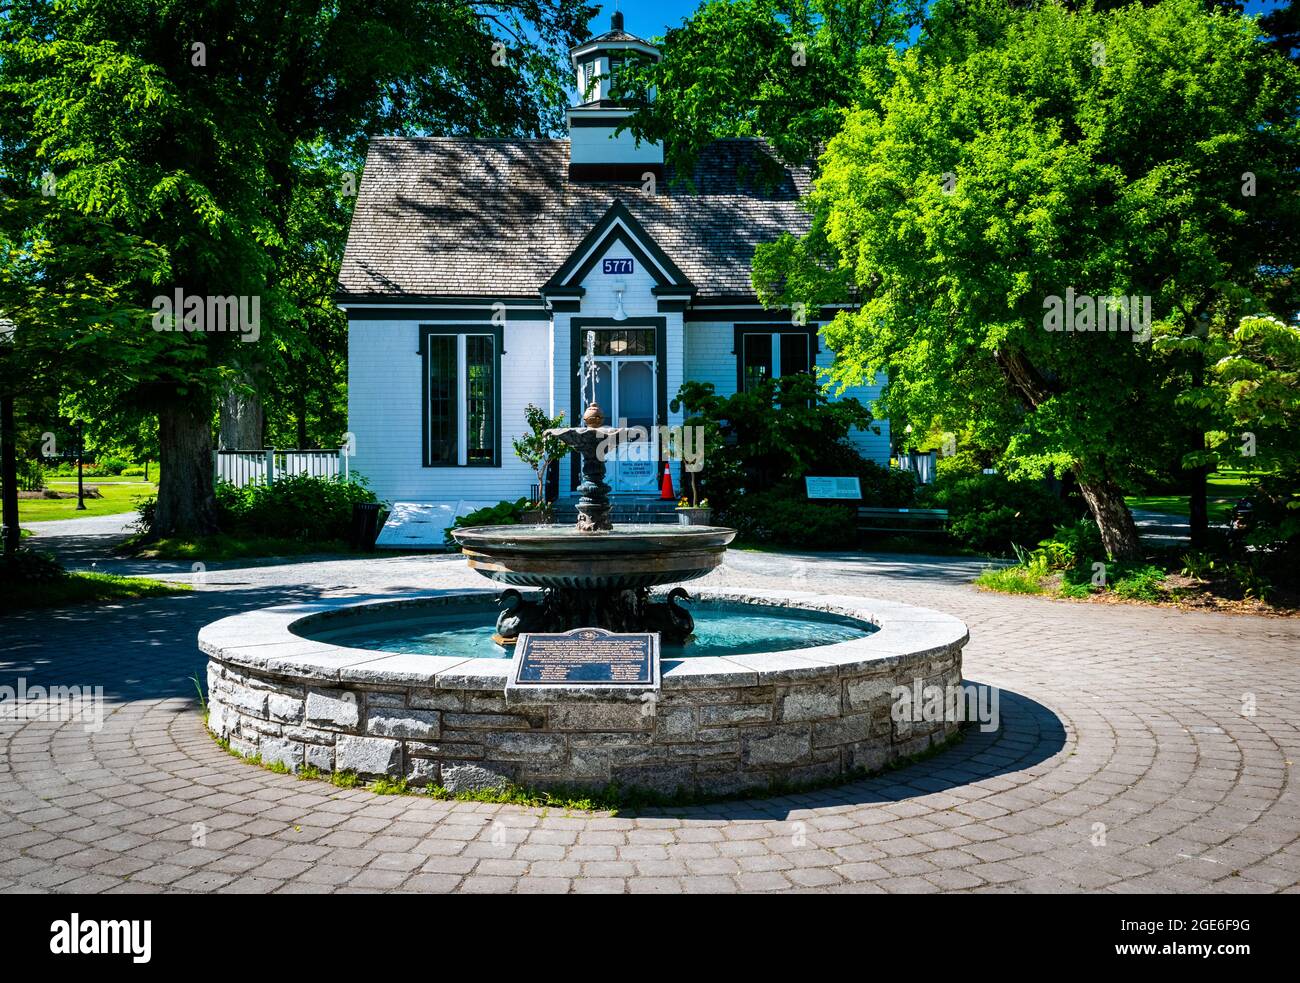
[(695, 510), (537, 449)]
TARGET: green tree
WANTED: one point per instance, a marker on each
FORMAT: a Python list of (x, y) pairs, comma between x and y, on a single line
[(785, 70), (1145, 153), (1282, 24), (778, 429), (181, 125), (538, 449), (1252, 391)]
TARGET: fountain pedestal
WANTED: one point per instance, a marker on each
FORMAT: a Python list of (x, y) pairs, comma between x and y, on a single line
[(593, 575), (592, 442)]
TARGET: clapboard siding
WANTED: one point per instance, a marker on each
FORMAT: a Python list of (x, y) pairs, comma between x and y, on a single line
[(710, 357), (384, 412)]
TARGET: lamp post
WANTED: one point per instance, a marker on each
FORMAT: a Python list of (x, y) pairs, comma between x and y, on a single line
[(81, 458), (8, 452)]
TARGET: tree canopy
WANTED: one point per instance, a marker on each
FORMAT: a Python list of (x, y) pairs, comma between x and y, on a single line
[(1136, 153), (205, 133)]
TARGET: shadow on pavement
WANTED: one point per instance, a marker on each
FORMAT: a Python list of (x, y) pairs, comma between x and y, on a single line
[(1028, 734)]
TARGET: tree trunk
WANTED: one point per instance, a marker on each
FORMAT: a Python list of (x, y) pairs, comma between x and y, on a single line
[(1198, 508), (1118, 532), (301, 415), (9, 474), (186, 503), (1198, 517), (242, 421)]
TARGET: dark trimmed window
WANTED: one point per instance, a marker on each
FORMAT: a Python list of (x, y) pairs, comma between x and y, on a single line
[(480, 398), (762, 353), (462, 389), (443, 445)]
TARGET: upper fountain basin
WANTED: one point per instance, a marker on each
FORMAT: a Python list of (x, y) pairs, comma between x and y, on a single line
[(623, 558)]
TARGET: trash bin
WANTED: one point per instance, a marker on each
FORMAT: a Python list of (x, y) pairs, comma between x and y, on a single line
[(365, 525)]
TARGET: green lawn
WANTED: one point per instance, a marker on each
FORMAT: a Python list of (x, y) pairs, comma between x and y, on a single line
[(1222, 491), (120, 495), (82, 588)]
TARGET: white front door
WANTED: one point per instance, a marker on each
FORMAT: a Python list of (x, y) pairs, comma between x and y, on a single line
[(626, 390)]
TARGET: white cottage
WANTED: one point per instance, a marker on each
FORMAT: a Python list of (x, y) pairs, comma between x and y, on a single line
[(475, 269)]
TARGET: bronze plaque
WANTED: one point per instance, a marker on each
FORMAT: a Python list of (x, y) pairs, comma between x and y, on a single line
[(587, 657)]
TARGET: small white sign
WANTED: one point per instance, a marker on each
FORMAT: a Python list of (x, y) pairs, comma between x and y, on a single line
[(845, 487)]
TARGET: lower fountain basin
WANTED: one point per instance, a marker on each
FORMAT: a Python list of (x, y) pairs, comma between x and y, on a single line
[(624, 558), (294, 686)]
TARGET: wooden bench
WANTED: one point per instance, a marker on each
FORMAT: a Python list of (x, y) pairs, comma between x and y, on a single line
[(906, 520)]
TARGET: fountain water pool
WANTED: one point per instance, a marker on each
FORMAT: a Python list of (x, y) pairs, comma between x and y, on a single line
[(720, 630)]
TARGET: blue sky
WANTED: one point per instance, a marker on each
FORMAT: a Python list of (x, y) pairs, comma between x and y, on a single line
[(649, 18), (646, 18)]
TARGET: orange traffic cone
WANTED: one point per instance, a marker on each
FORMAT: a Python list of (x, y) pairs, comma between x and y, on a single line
[(666, 489)]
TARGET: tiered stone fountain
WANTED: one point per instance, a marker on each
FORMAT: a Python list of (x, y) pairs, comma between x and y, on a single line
[(766, 688)]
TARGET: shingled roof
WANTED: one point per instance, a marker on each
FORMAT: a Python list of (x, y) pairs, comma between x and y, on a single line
[(450, 216), (618, 35)]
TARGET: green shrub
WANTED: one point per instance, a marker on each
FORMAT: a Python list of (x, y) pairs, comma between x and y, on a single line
[(31, 474), (144, 515), (963, 464), (110, 465), (501, 514), (989, 514), (1198, 565), (783, 517), (762, 438), (1076, 544), (294, 507), (1276, 517), (29, 566), (1019, 579), (1143, 583), (298, 507), (1250, 580)]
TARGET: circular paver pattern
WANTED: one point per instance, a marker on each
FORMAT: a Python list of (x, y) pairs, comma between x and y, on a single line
[(1139, 749)]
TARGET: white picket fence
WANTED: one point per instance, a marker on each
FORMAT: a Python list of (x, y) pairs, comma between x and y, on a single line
[(921, 464), (267, 466)]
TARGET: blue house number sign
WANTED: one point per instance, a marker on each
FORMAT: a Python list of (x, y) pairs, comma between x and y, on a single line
[(616, 266)]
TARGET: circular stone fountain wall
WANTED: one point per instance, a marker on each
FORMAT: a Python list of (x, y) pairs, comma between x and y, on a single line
[(719, 724)]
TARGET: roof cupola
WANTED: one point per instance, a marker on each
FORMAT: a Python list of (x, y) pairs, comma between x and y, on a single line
[(596, 153)]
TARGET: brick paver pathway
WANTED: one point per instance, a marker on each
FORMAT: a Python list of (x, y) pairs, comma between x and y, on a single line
[(1139, 750)]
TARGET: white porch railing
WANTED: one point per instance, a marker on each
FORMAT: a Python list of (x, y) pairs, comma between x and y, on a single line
[(267, 466)]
